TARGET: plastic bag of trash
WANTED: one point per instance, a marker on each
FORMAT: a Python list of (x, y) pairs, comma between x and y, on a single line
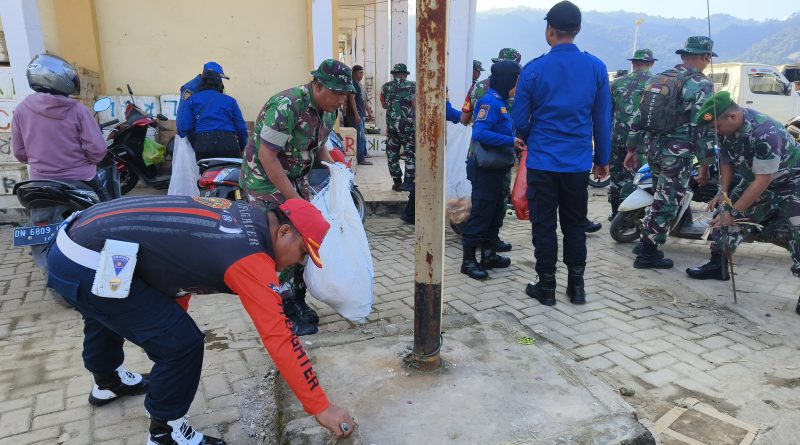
[(345, 280), (519, 193), (458, 189), (153, 152), (185, 173)]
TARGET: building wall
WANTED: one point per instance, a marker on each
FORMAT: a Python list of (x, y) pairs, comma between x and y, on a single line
[(157, 46), (47, 16)]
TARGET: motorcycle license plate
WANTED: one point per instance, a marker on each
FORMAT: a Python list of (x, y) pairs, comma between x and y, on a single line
[(33, 236)]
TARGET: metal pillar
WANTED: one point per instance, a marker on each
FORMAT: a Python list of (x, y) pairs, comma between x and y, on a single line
[(432, 20)]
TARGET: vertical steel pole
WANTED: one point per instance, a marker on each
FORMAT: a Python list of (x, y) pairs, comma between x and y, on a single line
[(432, 19)]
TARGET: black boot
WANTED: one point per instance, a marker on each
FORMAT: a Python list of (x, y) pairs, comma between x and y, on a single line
[(307, 314), (592, 227), (637, 249), (119, 383), (651, 258), (470, 266), (716, 268), (293, 311), (544, 290), (397, 183), (407, 185), (502, 246), (491, 260), (409, 212), (175, 432), (575, 290), (614, 210)]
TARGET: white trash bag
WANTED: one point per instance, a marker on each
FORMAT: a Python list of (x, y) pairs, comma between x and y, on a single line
[(185, 172), (345, 280)]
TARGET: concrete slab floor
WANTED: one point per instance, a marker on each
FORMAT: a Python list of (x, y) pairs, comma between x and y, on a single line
[(492, 390)]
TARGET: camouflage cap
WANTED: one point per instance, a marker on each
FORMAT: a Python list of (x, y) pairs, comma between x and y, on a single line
[(643, 55), (713, 107), (400, 68), (477, 66), (335, 76), (698, 45), (508, 54)]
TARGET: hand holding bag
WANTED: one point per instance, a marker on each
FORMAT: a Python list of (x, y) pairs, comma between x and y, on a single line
[(493, 158)]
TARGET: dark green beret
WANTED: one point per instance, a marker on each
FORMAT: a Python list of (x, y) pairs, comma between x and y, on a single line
[(713, 107)]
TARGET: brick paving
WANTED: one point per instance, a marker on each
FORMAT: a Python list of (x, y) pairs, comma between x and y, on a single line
[(652, 331)]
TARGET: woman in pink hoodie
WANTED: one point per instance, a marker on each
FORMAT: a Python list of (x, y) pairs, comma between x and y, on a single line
[(56, 135)]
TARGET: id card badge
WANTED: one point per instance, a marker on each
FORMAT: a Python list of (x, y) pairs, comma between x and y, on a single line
[(115, 272)]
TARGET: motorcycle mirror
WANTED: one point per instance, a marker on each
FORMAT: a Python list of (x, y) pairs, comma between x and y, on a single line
[(161, 117), (102, 104), (130, 91)]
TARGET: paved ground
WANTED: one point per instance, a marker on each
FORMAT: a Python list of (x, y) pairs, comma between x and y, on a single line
[(653, 331)]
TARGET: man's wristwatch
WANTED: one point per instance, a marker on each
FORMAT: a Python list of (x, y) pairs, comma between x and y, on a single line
[(735, 213)]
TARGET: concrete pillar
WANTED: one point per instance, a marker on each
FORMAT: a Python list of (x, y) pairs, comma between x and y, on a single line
[(24, 39), (322, 30), (399, 19), (382, 62)]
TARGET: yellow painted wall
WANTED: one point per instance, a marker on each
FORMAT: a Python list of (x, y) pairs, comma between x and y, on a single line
[(158, 45), (47, 17), (77, 34)]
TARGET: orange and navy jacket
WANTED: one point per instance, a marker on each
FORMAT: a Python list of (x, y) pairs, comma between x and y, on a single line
[(208, 245)]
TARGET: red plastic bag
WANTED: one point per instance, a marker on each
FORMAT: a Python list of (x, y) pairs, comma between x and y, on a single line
[(520, 189)]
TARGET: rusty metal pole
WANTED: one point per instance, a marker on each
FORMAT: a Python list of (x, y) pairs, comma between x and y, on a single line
[(432, 18)]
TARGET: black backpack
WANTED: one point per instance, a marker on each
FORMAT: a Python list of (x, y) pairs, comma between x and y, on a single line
[(662, 105)]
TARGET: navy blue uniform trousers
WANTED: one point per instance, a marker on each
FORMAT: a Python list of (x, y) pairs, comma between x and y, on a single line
[(488, 205), (558, 197), (147, 318)]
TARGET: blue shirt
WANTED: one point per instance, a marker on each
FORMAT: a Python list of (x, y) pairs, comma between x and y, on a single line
[(188, 89), (451, 114), (359, 99), (210, 110), (493, 125), (563, 100)]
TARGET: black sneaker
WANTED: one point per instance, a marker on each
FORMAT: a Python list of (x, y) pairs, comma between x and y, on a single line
[(178, 432), (119, 384)]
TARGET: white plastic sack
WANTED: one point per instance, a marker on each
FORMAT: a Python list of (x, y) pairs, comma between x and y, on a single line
[(185, 173), (345, 281)]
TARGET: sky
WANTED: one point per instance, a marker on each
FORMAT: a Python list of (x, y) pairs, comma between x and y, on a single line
[(744, 9)]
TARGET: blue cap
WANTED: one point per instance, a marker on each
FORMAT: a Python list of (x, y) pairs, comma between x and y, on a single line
[(215, 67)]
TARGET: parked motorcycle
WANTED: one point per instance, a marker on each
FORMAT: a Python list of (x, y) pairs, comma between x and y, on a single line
[(219, 177), (127, 147), (50, 202)]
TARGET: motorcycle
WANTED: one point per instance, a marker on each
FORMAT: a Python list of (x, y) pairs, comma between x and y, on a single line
[(127, 146), (50, 202), (219, 177)]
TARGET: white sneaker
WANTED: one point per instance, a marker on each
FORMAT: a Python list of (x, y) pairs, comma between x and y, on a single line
[(128, 384), (178, 432)]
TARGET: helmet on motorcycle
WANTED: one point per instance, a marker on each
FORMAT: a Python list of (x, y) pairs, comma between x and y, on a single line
[(52, 74)]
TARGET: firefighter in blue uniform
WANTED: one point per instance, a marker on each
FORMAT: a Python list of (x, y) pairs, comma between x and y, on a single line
[(494, 129), (193, 85)]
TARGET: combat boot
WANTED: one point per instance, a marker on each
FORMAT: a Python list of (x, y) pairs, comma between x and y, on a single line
[(177, 432), (501, 246), (575, 289), (716, 268), (397, 183), (293, 310), (650, 258), (407, 185), (119, 383), (491, 260), (306, 313), (614, 210), (470, 266), (637, 249), (544, 290)]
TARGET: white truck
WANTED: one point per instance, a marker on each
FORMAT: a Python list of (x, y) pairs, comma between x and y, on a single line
[(758, 86)]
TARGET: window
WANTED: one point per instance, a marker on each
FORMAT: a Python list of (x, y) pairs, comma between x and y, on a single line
[(768, 83), (720, 80)]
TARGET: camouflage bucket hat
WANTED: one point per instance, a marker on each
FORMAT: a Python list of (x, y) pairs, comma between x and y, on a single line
[(508, 54), (643, 55), (477, 66), (335, 76), (400, 68), (698, 45)]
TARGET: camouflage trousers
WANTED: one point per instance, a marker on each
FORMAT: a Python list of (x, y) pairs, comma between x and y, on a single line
[(397, 142), (671, 175), (621, 180), (789, 208)]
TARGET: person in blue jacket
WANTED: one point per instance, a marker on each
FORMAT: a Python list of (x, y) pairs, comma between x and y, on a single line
[(212, 120), (193, 85), (494, 129), (562, 105)]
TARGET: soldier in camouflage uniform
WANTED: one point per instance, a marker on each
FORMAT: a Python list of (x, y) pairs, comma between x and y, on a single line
[(768, 159), (626, 93), (288, 139), (479, 89), (671, 154), (397, 98)]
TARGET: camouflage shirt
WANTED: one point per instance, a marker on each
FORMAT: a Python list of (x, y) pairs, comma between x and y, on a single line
[(688, 139), (626, 94), (293, 126), (399, 96), (763, 146)]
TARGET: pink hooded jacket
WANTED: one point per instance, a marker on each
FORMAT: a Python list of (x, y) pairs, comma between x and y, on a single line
[(57, 137)]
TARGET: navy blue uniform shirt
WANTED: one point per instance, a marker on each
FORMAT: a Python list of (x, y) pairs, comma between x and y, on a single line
[(562, 103), (493, 125), (188, 89), (210, 110), (451, 114)]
